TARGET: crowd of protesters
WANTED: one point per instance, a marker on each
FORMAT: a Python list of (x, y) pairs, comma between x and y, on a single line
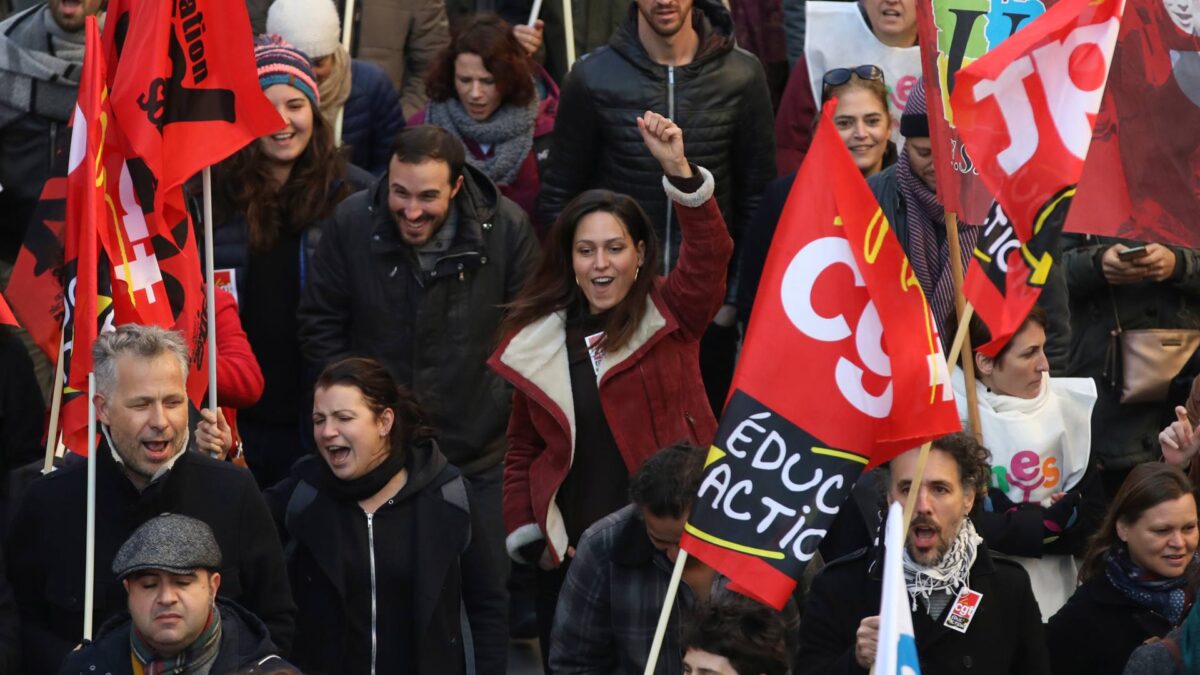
[(482, 311)]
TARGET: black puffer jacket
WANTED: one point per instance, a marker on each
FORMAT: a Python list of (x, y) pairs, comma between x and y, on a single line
[(1126, 435), (367, 296), (720, 100)]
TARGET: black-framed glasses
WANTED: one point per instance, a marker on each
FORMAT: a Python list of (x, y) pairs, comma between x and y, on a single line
[(839, 76)]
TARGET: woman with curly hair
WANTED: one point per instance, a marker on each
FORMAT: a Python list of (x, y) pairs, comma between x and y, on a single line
[(274, 196), (488, 92)]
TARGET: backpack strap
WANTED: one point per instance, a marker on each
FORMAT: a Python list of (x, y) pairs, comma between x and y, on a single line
[(302, 496), (1173, 648)]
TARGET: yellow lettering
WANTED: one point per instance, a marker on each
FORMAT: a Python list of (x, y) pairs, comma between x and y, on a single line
[(871, 248)]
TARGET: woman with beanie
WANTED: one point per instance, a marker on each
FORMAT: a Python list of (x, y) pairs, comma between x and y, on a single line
[(358, 90), (272, 199), (488, 92), (389, 565)]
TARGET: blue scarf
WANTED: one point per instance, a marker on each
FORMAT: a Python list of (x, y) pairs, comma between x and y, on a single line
[(1168, 597)]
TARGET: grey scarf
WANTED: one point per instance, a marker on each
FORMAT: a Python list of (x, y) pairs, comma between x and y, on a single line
[(509, 131), (40, 65)]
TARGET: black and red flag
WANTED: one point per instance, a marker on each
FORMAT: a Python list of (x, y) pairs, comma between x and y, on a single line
[(841, 370), (1025, 111), (185, 95)]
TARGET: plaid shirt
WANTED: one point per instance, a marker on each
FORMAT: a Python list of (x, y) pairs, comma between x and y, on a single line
[(610, 601)]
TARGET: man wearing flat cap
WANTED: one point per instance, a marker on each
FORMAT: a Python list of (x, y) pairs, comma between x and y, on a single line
[(176, 623)]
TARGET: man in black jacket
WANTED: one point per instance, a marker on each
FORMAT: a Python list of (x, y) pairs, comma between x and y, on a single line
[(142, 470), (679, 60), (971, 612), (415, 272)]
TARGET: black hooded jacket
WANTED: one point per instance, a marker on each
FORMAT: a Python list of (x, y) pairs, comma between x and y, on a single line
[(720, 100), (452, 574)]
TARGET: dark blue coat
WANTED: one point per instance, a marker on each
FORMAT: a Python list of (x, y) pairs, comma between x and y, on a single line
[(371, 118)]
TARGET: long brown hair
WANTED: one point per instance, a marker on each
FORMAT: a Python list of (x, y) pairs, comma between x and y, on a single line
[(552, 286), (1147, 486), (309, 193)]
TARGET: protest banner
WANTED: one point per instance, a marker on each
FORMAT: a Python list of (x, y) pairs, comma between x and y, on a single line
[(841, 370)]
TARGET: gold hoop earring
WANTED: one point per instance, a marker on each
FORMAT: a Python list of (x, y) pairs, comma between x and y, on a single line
[(636, 270)]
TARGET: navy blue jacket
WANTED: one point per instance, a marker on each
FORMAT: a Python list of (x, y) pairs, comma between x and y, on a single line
[(372, 117)]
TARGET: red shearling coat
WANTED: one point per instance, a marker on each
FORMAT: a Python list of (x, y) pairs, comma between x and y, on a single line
[(650, 389)]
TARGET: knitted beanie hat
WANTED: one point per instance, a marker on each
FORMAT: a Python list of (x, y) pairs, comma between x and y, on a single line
[(280, 63), (914, 123), (310, 25)]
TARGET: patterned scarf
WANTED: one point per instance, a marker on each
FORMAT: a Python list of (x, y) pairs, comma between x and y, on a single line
[(949, 575), (1168, 597), (40, 64), (335, 90), (509, 131), (928, 252), (196, 659)]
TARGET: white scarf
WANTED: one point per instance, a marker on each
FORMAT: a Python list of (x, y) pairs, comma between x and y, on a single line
[(950, 575)]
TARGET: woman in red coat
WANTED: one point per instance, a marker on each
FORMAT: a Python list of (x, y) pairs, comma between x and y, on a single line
[(605, 359)]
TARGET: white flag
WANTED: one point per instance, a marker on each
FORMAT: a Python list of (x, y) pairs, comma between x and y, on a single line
[(897, 654)]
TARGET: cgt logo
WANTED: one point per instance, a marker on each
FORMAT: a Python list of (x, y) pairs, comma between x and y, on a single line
[(797, 293)]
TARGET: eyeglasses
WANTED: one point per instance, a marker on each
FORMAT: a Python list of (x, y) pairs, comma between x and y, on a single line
[(839, 76)]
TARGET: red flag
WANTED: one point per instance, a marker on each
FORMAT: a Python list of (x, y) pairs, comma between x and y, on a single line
[(1142, 177), (841, 370), (86, 211), (184, 84), (35, 289), (1026, 111), (6, 315)]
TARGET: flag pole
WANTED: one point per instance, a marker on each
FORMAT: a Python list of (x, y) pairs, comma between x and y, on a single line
[(347, 36), (535, 12), (55, 404), (569, 31), (89, 556), (960, 304), (664, 616), (210, 290)]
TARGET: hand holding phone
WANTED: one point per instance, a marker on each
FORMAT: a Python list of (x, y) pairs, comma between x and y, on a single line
[(1133, 253)]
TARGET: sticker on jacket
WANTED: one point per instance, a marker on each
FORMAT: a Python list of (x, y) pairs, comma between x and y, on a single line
[(226, 280), (965, 606), (595, 350)]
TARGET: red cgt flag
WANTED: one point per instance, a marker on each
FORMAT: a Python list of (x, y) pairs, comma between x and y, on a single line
[(1025, 111), (841, 370), (86, 213)]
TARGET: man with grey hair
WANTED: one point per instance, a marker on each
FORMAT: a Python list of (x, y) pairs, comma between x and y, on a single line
[(142, 470)]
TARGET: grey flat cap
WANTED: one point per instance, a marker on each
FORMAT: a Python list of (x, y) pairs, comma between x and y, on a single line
[(170, 542)]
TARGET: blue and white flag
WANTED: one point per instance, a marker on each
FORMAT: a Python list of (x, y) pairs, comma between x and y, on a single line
[(897, 654)]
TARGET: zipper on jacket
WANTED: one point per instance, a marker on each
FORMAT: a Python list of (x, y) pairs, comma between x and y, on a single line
[(691, 422), (374, 593), (670, 116)]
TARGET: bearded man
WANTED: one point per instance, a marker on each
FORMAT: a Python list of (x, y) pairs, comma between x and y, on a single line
[(970, 612)]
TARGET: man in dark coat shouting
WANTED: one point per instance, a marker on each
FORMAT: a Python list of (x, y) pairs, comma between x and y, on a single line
[(970, 612)]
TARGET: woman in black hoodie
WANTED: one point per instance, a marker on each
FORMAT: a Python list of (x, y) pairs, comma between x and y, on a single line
[(377, 531)]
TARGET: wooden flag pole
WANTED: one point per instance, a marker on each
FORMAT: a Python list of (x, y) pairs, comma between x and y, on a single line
[(664, 616), (55, 404), (960, 304), (210, 290), (89, 555), (569, 31), (347, 36)]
